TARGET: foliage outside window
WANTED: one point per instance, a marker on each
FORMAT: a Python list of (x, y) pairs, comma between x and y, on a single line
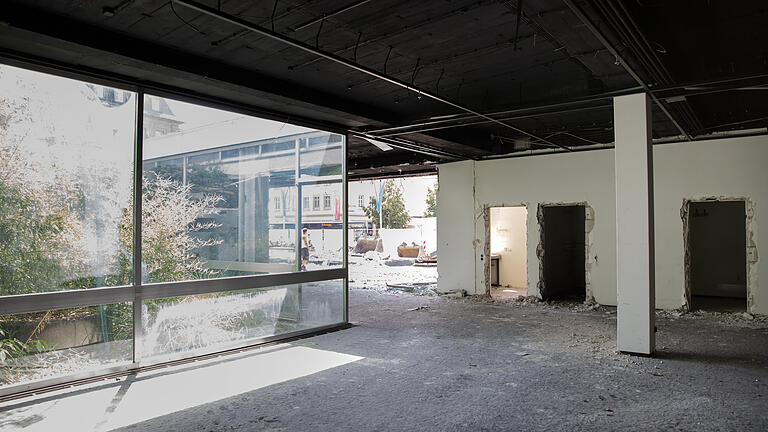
[(393, 212), (431, 201)]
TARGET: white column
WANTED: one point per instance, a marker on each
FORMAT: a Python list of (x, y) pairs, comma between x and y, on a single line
[(634, 224)]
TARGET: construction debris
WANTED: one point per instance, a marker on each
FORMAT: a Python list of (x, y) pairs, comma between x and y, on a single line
[(364, 245)]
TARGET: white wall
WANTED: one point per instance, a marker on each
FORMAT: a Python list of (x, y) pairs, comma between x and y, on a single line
[(732, 167), (508, 240), (719, 168), (456, 227)]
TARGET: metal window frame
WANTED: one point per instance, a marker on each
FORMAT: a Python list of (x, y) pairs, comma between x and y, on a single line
[(138, 291)]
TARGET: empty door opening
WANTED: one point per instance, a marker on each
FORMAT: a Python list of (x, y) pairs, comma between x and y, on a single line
[(508, 261), (564, 260), (718, 255)]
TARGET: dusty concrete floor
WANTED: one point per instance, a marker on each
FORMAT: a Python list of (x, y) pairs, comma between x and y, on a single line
[(478, 364), (464, 364)]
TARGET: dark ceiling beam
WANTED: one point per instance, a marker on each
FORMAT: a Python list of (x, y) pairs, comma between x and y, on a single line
[(347, 63), (380, 174), (26, 28), (387, 160), (413, 146), (389, 166), (604, 41), (83, 46), (635, 41)]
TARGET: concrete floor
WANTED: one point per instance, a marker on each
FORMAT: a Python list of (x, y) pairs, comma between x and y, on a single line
[(470, 364)]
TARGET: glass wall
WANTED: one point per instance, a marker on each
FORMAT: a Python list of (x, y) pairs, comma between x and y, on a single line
[(44, 345), (211, 322), (235, 180), (66, 164), (228, 202)]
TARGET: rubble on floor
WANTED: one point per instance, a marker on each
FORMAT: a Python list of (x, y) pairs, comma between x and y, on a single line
[(734, 319), (374, 271)]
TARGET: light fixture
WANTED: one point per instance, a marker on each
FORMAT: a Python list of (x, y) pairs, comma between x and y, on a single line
[(381, 145)]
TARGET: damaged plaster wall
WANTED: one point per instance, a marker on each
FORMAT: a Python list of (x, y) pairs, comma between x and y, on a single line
[(727, 168), (559, 178), (589, 225), (732, 167), (455, 228)]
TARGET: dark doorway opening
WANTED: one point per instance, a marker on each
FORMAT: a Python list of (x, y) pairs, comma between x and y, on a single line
[(717, 242), (564, 253)]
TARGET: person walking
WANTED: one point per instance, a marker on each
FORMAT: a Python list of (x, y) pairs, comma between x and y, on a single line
[(304, 249)]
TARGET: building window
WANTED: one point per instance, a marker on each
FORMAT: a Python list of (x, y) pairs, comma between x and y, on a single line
[(361, 201), (326, 202), (315, 202), (277, 203), (306, 203)]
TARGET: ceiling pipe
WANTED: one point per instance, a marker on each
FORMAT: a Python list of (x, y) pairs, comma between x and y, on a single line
[(600, 37), (686, 89), (688, 92), (332, 14), (347, 63), (647, 56), (550, 108), (402, 144), (479, 122)]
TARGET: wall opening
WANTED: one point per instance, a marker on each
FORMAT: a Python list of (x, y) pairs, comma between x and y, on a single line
[(718, 255), (508, 261), (563, 252)]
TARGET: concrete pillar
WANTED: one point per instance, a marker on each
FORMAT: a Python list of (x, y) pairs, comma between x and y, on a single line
[(634, 224)]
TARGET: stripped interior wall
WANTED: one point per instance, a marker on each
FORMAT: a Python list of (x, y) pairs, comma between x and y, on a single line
[(732, 167)]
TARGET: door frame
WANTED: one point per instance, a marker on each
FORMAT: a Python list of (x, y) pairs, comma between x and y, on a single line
[(589, 223), (751, 252)]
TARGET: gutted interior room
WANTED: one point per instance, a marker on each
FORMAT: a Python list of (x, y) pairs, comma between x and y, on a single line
[(508, 248), (718, 255), (563, 247), (353, 215)]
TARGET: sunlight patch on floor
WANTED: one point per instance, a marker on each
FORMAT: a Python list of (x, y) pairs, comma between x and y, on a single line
[(148, 395)]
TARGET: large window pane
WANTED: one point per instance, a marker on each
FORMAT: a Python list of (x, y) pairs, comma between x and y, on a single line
[(210, 322), (37, 346), (66, 163), (221, 191), (321, 188)]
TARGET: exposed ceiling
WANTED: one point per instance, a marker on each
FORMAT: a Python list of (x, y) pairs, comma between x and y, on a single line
[(438, 80)]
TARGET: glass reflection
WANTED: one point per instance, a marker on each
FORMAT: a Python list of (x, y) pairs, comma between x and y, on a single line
[(210, 321), (222, 193), (56, 343)]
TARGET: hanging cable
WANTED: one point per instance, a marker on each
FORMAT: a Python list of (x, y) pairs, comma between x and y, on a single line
[(386, 60), (319, 29), (183, 20), (354, 55), (437, 86), (272, 19)]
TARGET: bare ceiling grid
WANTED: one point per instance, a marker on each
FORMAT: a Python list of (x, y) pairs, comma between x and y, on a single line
[(488, 56)]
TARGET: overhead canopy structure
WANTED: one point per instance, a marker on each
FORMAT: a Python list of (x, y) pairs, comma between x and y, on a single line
[(436, 81)]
